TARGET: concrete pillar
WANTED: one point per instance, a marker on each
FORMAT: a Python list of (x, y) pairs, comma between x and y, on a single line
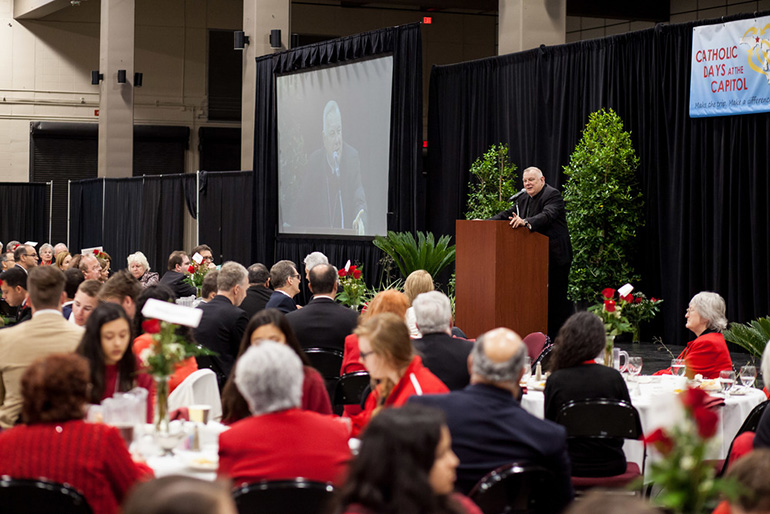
[(116, 102), (259, 18), (527, 24)]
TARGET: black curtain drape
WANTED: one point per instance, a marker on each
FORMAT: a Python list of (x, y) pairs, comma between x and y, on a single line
[(405, 176), (225, 204), (86, 203), (161, 219), (705, 180), (24, 214)]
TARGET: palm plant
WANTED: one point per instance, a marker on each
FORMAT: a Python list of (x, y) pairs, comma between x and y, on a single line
[(752, 336), (410, 254)]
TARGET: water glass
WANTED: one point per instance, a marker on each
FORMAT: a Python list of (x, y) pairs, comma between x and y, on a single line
[(678, 367), (634, 366), (727, 380), (527, 369), (748, 375)]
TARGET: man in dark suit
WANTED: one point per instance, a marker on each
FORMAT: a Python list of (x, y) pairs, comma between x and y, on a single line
[(285, 280), (323, 322), (223, 323), (542, 210), (26, 257), (178, 262), (445, 356), (258, 293), (13, 283), (490, 429)]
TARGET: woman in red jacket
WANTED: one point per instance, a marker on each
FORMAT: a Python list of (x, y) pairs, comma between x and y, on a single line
[(396, 373), (54, 442), (271, 324), (707, 355)]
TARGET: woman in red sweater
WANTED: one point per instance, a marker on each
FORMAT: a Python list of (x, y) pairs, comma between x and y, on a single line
[(271, 324), (396, 373), (107, 345), (57, 444)]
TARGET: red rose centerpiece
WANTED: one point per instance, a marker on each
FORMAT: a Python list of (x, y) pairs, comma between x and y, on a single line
[(352, 287)]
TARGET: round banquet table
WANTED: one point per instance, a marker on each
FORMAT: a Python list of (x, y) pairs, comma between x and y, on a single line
[(657, 400)]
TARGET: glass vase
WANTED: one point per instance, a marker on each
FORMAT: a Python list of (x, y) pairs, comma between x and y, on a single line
[(161, 404), (609, 345), (635, 337)]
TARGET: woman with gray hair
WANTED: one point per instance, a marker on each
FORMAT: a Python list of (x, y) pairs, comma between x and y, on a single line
[(280, 441), (707, 355), (140, 269)]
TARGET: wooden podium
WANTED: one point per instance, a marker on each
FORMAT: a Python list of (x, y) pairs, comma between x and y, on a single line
[(501, 278)]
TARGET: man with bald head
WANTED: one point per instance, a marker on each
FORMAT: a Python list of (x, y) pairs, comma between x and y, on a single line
[(489, 427), (542, 210)]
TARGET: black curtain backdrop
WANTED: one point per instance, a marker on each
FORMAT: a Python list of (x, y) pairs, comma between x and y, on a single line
[(86, 203), (225, 206), (705, 181), (405, 176), (23, 212)]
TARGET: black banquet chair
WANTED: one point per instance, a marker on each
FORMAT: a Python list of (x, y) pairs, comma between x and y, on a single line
[(40, 496), (298, 496), (514, 489), (349, 390), (328, 362)]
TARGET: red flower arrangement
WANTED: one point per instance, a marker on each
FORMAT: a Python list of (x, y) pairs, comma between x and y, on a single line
[(353, 288)]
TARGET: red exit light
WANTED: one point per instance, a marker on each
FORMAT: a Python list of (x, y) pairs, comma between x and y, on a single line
[(427, 20)]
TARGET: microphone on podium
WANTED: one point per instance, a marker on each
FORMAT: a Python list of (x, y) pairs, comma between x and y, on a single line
[(517, 195)]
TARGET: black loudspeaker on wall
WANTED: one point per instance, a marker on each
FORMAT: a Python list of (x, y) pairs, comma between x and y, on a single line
[(240, 40), (121, 76), (275, 38)]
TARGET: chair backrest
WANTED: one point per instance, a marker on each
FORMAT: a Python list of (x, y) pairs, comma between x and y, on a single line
[(600, 418), (544, 359), (535, 342), (750, 424), (514, 488), (298, 496), (40, 496), (200, 387), (327, 361), (350, 387)]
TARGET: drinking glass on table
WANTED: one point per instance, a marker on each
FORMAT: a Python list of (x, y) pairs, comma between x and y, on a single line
[(634, 366), (748, 375), (727, 380), (677, 367), (527, 369)]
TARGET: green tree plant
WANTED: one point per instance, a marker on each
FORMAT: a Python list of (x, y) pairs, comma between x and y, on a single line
[(410, 254), (492, 184), (604, 207), (752, 336)]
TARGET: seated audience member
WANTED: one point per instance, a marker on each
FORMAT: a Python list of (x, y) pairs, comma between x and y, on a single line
[(258, 293), (8, 261), (405, 464), (140, 269), (272, 325), (46, 255), (73, 278), (205, 252), (46, 333), (604, 502), (323, 322), (396, 373), (25, 257), (222, 324), (105, 261), (280, 441), (285, 281), (143, 341), (90, 267), (178, 494), (59, 248), (63, 260), (209, 287), (444, 355), (575, 376), (752, 494), (762, 436), (416, 283), (123, 289), (13, 283), (106, 345), (490, 428), (56, 443), (178, 263), (312, 260), (389, 300), (707, 355), (86, 300)]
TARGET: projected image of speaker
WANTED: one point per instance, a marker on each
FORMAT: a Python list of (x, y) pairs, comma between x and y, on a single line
[(334, 146)]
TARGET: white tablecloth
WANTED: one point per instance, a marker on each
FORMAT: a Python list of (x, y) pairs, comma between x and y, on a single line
[(184, 461), (659, 406)]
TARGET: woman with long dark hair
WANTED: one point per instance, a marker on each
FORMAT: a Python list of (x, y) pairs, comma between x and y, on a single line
[(106, 344), (575, 376), (405, 465), (271, 324)]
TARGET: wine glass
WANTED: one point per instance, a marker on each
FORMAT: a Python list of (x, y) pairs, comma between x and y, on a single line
[(748, 374), (727, 380), (678, 367), (527, 369), (634, 366)]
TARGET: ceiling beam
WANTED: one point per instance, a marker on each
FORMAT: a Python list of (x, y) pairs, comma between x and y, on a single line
[(36, 9)]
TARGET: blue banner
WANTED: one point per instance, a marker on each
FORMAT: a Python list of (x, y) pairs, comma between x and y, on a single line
[(730, 68)]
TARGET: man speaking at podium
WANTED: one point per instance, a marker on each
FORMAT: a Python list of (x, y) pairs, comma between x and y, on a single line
[(542, 210)]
